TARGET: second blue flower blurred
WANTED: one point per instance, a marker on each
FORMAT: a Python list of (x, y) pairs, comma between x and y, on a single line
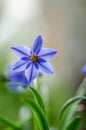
[(83, 70), (17, 80)]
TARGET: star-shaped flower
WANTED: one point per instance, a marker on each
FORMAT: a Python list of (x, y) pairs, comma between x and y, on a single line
[(33, 60)]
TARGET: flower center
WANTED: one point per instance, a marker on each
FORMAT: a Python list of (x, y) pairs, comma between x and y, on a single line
[(33, 58)]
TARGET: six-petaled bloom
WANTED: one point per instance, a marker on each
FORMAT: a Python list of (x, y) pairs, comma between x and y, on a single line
[(33, 60), (83, 70)]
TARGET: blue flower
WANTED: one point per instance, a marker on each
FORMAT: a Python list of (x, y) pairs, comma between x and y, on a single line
[(17, 80), (83, 70), (33, 60)]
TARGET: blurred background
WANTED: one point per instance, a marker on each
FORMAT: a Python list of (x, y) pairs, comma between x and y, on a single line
[(62, 25)]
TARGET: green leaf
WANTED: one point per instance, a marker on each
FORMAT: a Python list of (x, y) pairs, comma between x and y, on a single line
[(70, 102), (74, 124), (10, 123), (69, 112), (39, 114), (38, 99)]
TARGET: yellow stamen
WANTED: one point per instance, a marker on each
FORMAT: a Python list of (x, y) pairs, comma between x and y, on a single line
[(33, 58)]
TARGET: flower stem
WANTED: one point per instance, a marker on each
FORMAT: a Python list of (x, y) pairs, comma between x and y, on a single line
[(37, 83)]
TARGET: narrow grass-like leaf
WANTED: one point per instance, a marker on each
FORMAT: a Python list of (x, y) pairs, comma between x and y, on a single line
[(74, 124), (38, 98), (68, 114), (70, 102), (10, 123), (39, 114)]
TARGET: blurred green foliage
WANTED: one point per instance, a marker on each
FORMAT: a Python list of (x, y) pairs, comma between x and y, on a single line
[(11, 102)]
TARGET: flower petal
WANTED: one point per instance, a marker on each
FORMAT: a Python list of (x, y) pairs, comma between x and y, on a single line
[(36, 46), (20, 51), (36, 65), (18, 77), (41, 60), (47, 53), (31, 72), (46, 67), (28, 65), (20, 65), (25, 58)]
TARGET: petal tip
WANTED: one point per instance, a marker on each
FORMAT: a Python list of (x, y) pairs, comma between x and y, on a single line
[(56, 51), (11, 48), (51, 72), (39, 36)]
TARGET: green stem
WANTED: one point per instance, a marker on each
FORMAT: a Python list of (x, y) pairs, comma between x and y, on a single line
[(37, 83), (37, 87)]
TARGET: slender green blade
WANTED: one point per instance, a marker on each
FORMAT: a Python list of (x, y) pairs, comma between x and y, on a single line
[(38, 98), (66, 117), (39, 114), (10, 123), (74, 124), (70, 102)]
